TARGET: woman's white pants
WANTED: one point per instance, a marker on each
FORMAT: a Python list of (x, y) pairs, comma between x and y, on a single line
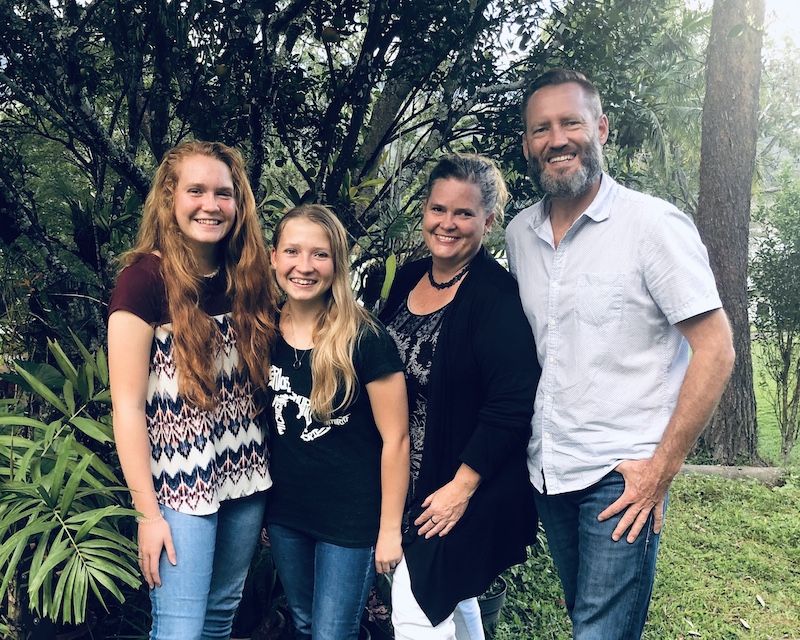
[(411, 623)]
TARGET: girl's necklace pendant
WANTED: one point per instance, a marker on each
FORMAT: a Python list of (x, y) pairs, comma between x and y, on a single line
[(298, 360)]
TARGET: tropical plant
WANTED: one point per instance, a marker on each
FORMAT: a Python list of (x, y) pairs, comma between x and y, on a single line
[(62, 543), (775, 271)]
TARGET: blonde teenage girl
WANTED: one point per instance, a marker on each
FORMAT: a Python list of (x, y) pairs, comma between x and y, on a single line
[(340, 433), (191, 322)]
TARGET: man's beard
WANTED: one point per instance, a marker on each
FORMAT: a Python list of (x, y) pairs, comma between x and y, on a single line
[(573, 184)]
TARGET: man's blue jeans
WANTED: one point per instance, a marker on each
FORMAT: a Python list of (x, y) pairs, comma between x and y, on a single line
[(607, 584), (198, 597), (326, 585)]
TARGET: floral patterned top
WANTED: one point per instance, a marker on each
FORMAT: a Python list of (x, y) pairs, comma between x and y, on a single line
[(416, 337)]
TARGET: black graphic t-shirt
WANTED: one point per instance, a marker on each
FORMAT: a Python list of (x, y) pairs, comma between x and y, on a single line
[(327, 476)]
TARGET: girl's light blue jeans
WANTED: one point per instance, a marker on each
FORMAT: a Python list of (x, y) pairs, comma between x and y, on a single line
[(198, 597), (326, 585)]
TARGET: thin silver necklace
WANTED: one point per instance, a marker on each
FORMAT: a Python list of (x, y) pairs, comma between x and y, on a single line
[(298, 360)]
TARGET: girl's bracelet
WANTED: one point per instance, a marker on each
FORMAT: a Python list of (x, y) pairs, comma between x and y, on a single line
[(143, 520)]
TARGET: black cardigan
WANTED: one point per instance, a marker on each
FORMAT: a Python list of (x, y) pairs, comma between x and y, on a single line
[(480, 402)]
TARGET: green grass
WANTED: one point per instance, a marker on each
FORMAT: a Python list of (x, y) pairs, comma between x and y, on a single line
[(729, 560), (728, 545)]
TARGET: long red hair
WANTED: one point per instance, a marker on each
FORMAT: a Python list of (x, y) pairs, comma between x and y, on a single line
[(244, 258)]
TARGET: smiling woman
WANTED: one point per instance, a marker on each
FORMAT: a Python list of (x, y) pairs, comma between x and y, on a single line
[(303, 262), (191, 325), (471, 372), (205, 209), (339, 433)]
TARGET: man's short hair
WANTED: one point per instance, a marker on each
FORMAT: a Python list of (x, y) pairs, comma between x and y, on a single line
[(563, 76)]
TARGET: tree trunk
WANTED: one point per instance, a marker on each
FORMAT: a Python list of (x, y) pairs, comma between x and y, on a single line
[(730, 130)]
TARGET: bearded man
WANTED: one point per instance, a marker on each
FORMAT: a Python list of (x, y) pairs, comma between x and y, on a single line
[(618, 290)]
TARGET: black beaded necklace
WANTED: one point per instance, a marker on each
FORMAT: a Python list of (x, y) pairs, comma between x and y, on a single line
[(451, 281)]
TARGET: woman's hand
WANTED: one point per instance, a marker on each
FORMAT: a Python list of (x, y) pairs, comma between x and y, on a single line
[(388, 551), (154, 536), (445, 506)]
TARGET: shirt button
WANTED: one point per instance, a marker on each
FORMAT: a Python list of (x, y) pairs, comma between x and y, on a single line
[(551, 359), (546, 436), (548, 398)]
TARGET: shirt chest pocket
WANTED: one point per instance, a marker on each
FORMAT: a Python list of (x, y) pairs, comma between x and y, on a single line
[(599, 298)]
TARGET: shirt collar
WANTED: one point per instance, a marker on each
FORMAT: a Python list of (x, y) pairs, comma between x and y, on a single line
[(597, 210)]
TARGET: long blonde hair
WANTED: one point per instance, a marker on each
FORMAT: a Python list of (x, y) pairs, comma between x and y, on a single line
[(196, 338), (341, 322)]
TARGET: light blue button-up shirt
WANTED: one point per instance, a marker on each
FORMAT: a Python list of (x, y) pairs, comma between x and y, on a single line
[(603, 306)]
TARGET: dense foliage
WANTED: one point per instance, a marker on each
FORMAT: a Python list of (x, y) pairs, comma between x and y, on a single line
[(64, 545), (341, 102)]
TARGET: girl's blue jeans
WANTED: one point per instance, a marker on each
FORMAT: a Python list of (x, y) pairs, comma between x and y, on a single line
[(326, 585), (198, 597)]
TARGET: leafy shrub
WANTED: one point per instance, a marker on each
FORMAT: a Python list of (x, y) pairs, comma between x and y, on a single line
[(62, 537)]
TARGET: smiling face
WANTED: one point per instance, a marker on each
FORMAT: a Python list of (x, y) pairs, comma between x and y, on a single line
[(204, 203), (454, 223), (303, 261), (563, 141)]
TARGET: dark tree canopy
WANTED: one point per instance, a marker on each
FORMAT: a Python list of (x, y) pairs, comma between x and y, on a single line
[(339, 102)]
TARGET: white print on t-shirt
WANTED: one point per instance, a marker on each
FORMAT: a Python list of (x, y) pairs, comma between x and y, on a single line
[(284, 395)]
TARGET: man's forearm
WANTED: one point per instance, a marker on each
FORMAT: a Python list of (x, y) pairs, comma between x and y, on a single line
[(707, 376)]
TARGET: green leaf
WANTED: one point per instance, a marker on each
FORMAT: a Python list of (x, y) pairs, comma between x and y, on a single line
[(102, 367), (65, 587), (84, 376), (58, 553), (391, 268), (26, 468), (56, 476), (98, 465), (93, 584), (737, 30), (102, 551), (87, 357), (45, 495), (91, 519), (21, 421), (94, 429), (69, 396), (11, 567), (103, 396), (105, 537), (41, 389), (39, 554), (80, 593), (26, 515), (374, 182), (45, 373), (73, 483), (63, 361), (104, 574)]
